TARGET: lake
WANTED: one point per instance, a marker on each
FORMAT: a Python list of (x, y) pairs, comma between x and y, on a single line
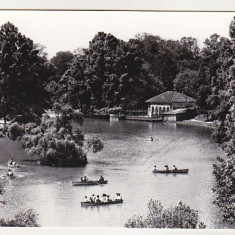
[(127, 162)]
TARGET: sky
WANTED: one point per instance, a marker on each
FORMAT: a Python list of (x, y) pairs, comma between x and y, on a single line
[(70, 30)]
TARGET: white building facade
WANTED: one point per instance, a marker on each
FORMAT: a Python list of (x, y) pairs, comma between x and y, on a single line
[(167, 102), (156, 109)]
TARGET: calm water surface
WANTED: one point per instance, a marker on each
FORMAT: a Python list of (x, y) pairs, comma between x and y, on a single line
[(126, 161)]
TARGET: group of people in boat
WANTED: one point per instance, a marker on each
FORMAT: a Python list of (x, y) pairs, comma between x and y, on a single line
[(104, 198), (85, 179), (12, 163), (166, 168)]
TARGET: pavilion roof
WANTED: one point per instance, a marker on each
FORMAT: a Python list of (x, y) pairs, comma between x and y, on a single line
[(171, 97)]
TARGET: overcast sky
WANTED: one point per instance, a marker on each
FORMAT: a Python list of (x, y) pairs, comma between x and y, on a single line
[(69, 30)]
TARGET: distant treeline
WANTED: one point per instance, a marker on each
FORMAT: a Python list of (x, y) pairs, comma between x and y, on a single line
[(112, 73)]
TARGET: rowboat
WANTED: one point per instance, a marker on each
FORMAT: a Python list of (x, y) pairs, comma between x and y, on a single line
[(13, 165), (178, 171), (91, 182), (101, 203)]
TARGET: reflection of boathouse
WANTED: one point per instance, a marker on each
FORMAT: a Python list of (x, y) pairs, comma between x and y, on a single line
[(163, 105)]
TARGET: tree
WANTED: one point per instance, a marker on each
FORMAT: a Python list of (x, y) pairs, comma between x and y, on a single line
[(109, 73), (210, 83), (61, 61), (72, 87), (22, 81), (54, 140), (180, 216), (187, 82), (225, 134), (164, 59)]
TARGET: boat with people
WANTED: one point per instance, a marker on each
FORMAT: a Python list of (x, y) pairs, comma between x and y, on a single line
[(168, 171), (178, 171), (85, 181), (96, 201), (102, 203), (90, 182), (11, 163)]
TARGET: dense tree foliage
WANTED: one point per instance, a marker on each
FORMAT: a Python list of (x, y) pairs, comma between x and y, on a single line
[(28, 83), (109, 73), (54, 140), (225, 133), (61, 62), (217, 56), (164, 59), (187, 82), (180, 216), (115, 73), (22, 76)]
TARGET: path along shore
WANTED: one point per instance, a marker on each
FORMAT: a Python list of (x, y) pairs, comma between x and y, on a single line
[(194, 122)]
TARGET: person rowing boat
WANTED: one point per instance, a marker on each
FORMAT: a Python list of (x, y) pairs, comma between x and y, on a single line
[(85, 199), (97, 199), (104, 197), (118, 197), (101, 179), (10, 173), (93, 197), (11, 162)]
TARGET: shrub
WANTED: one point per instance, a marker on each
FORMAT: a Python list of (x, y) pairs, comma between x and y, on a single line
[(180, 216), (225, 188), (22, 219)]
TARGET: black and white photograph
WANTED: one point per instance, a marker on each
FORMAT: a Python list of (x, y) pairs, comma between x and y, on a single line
[(117, 119)]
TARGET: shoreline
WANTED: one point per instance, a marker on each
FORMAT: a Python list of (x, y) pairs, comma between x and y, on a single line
[(193, 122)]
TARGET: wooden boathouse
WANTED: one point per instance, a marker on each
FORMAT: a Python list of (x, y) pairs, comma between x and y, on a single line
[(171, 106)]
